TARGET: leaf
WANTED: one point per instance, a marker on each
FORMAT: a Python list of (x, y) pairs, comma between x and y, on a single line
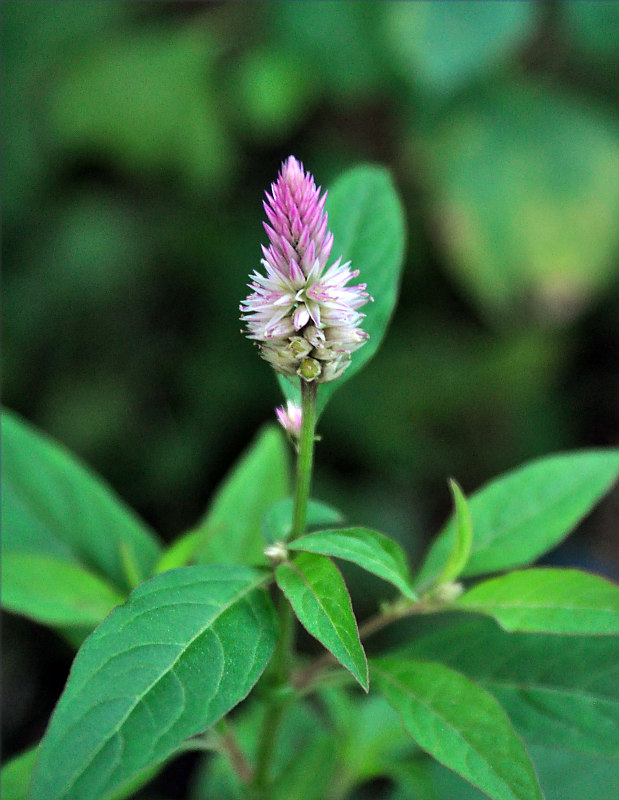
[(463, 540), (186, 648), (56, 507), (277, 522), (562, 776), (368, 549), (167, 115), (367, 221), (230, 530), (574, 776), (559, 691), (319, 597), (522, 514), (15, 775), (55, 592), (459, 724), (356, 65), (547, 601), (594, 29), (441, 46), (179, 553), (523, 180)]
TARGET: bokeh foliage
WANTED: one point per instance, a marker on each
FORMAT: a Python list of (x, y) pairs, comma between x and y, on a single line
[(138, 139)]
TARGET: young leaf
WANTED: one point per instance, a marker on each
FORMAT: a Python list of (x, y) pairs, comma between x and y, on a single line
[(277, 522), (463, 539), (320, 599), (459, 724), (230, 531), (186, 648), (367, 221), (547, 601), (54, 506), (179, 553), (368, 549), (55, 592), (559, 691), (524, 513)]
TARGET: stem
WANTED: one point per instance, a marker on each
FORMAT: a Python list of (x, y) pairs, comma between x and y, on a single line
[(220, 740), (306, 456), (282, 659), (237, 758)]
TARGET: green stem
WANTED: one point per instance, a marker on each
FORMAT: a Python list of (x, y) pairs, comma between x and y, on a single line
[(306, 456), (282, 692)]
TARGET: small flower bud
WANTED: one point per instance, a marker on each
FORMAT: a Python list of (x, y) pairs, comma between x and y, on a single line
[(276, 553), (446, 592), (309, 370), (290, 418)]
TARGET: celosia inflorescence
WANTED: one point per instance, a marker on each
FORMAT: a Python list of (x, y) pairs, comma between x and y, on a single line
[(304, 318)]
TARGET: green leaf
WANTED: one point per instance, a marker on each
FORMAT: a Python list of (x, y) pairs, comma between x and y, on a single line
[(56, 507), (459, 724), (522, 514), (574, 776), (562, 776), (55, 592), (368, 549), (15, 776), (179, 553), (367, 221), (444, 45), (186, 648), (559, 691), (230, 531), (277, 522), (523, 179), (463, 540), (547, 601), (17, 773), (320, 599), (594, 30), (167, 115)]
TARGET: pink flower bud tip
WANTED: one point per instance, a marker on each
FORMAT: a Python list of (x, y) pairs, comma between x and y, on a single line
[(290, 418)]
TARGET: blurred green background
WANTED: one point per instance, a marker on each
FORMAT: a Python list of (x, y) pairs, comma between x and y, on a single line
[(138, 139)]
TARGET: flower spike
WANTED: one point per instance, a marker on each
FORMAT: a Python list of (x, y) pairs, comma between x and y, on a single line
[(304, 318)]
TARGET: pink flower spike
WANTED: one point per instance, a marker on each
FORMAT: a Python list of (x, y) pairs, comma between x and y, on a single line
[(303, 315)]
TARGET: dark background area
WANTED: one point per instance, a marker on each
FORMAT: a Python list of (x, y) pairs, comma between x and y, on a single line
[(138, 139)]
